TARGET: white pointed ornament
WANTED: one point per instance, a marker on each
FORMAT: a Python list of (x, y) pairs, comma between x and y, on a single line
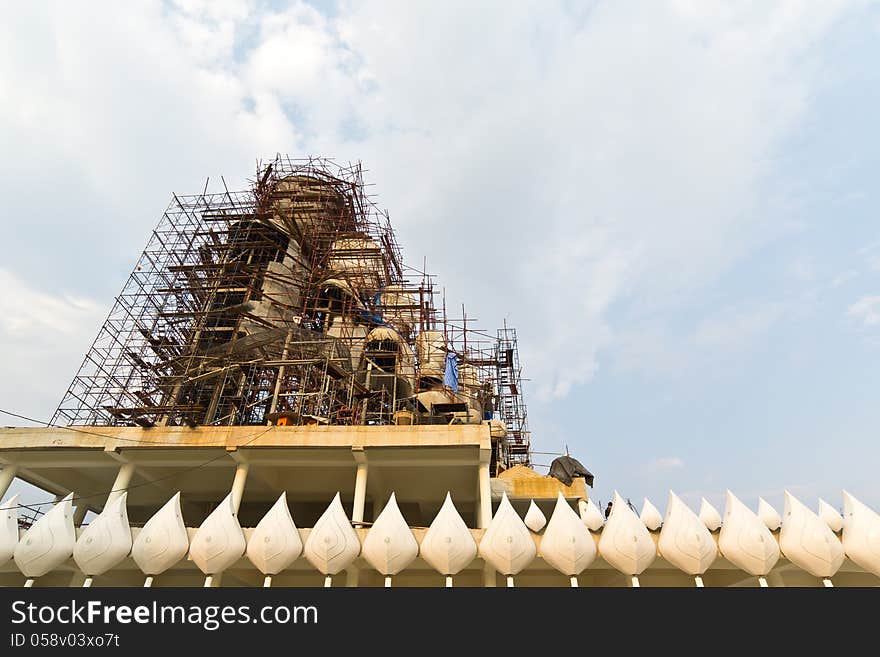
[(626, 543), (49, 542), (768, 515), (745, 540), (535, 518), (219, 542), (332, 544), (507, 544), (106, 540), (390, 545), (567, 544), (830, 516), (163, 541), (275, 542), (808, 542), (448, 546), (709, 515), (591, 516), (685, 542), (861, 534), (650, 516), (8, 528)]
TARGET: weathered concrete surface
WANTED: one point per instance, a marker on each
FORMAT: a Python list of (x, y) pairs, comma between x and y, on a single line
[(230, 438), (522, 483)]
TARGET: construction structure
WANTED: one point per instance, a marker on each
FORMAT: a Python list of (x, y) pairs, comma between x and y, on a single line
[(276, 398), (290, 303)]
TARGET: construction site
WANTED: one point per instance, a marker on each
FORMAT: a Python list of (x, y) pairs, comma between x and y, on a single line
[(277, 399), (290, 304)]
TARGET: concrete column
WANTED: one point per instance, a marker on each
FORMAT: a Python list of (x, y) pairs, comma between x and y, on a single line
[(7, 474), (488, 576), (367, 385), (120, 484), (76, 580), (274, 405), (485, 496), (478, 504), (241, 473), (775, 579), (360, 494), (352, 574), (80, 514), (484, 515)]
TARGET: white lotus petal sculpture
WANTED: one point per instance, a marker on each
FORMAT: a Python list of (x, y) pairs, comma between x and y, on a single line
[(219, 542), (626, 543), (275, 542), (709, 515), (332, 544), (535, 518), (567, 544), (8, 528), (390, 545), (507, 544), (861, 534), (830, 516), (49, 542), (650, 516), (745, 540), (685, 542), (448, 546), (106, 541), (591, 516), (768, 515), (163, 541), (808, 542)]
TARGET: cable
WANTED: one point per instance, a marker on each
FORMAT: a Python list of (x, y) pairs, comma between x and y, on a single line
[(248, 441), (153, 481), (96, 433)]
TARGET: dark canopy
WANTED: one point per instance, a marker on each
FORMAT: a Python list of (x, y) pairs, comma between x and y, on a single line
[(565, 468)]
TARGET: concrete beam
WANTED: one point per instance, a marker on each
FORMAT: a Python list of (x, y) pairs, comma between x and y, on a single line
[(120, 484), (232, 437), (360, 486), (238, 482), (43, 482)]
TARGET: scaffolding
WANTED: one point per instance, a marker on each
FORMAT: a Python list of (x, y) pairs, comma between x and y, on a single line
[(289, 303), (512, 406)]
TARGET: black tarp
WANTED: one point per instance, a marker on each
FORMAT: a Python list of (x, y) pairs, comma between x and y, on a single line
[(565, 468)]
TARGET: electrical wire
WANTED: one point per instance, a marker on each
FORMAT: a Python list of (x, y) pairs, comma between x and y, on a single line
[(249, 439)]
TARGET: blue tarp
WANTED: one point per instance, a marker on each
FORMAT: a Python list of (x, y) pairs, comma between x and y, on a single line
[(371, 317), (451, 377)]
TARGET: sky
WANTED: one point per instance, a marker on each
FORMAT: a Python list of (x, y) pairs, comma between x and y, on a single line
[(673, 202)]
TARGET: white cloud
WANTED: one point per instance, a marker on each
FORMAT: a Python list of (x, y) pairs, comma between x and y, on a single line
[(649, 349), (716, 342), (560, 164), (866, 310), (843, 277), (662, 466), (667, 462), (736, 327), (43, 336), (25, 311)]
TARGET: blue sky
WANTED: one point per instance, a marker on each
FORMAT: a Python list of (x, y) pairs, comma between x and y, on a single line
[(675, 203)]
